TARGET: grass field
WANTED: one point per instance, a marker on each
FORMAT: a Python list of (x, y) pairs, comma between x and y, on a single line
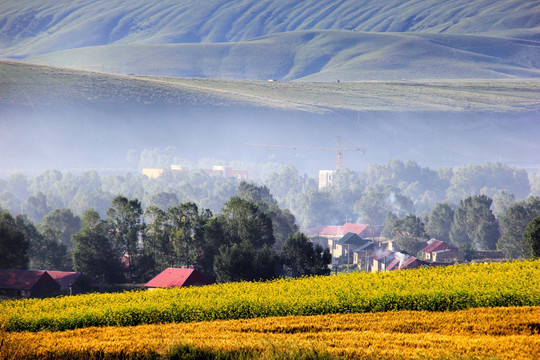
[(24, 84)]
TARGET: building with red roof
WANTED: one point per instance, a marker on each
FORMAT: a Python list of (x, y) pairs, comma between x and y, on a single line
[(28, 283), (72, 282), (439, 251), (178, 277), (329, 235)]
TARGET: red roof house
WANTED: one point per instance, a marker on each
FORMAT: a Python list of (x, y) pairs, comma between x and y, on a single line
[(176, 277), (74, 282), (29, 283), (437, 250), (362, 230)]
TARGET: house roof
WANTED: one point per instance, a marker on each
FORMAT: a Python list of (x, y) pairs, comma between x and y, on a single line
[(393, 264), (386, 255), (176, 277), (337, 230), (435, 245), (368, 245), (65, 279), (351, 239), (411, 263), (25, 279)]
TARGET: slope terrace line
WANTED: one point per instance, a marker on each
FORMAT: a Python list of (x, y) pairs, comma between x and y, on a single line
[(282, 104)]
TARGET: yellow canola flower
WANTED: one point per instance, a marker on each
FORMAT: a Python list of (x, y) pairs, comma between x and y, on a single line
[(435, 289)]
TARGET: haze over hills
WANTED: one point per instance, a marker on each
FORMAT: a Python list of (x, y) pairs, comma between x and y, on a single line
[(453, 82), (60, 118), (322, 40)]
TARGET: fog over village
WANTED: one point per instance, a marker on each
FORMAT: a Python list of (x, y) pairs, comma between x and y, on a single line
[(166, 162)]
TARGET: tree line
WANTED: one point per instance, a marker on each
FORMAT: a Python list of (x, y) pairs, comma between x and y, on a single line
[(250, 239), (360, 196), (472, 226)]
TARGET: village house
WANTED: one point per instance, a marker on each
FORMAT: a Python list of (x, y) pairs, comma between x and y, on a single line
[(27, 283), (178, 277), (329, 235), (363, 255), (72, 282), (439, 251), (346, 244)]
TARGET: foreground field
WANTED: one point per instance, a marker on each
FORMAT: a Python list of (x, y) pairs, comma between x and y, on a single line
[(486, 333), (433, 289)]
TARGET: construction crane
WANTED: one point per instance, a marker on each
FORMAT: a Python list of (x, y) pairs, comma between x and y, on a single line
[(339, 149)]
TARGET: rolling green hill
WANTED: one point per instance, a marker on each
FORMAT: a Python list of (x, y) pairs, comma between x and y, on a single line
[(310, 40), (317, 56)]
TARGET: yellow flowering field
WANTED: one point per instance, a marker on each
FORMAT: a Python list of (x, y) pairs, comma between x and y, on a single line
[(482, 333), (434, 289)]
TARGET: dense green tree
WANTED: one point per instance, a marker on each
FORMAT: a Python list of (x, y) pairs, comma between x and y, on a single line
[(176, 237), (409, 233), (49, 253), (46, 182), (255, 194), (35, 206), (158, 238), (13, 244), (94, 253), (283, 222), (164, 200), (474, 224), (388, 225), (17, 184), (187, 231), (513, 225), (235, 262), (87, 199), (126, 226), (248, 236), (45, 251), (286, 181), (469, 180), (9, 202), (440, 222), (531, 238), (502, 201), (300, 257), (318, 208), (63, 223), (244, 221), (378, 200)]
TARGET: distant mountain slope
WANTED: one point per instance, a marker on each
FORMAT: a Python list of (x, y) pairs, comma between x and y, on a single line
[(25, 85), (233, 36), (317, 56)]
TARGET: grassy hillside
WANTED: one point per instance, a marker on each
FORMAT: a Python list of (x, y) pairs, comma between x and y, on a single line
[(286, 40), (317, 56), (26, 85)]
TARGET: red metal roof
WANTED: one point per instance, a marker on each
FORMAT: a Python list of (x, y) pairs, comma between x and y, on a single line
[(393, 263), (25, 279), (435, 245), (411, 263), (388, 254), (175, 277), (65, 279), (337, 230)]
